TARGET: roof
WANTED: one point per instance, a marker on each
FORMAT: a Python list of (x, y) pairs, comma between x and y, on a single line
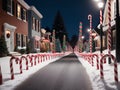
[(24, 4), (36, 11)]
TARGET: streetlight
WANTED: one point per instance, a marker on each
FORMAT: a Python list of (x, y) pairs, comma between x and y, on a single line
[(117, 32), (83, 37), (100, 5), (88, 30)]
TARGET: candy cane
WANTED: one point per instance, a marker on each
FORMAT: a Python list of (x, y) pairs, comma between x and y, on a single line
[(115, 67), (21, 59), (33, 56), (109, 29), (30, 57), (90, 38), (97, 59), (0, 77), (11, 66)]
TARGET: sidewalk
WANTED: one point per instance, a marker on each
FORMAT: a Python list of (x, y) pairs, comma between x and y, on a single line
[(9, 84)]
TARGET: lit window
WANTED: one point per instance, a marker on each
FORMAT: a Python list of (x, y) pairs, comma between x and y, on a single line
[(24, 41), (33, 23), (19, 11)]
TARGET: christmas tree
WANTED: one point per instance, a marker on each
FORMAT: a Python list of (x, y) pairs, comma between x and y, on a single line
[(3, 47), (58, 46)]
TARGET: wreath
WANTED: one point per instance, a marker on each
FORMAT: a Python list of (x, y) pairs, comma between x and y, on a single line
[(8, 35)]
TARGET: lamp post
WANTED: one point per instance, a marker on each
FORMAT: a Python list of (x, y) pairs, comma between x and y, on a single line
[(100, 5), (117, 32)]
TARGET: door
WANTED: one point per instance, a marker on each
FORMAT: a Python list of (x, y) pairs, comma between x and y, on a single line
[(8, 39)]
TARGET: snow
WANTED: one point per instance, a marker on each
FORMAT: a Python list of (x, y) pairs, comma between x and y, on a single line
[(22, 2), (97, 83), (36, 11), (9, 84)]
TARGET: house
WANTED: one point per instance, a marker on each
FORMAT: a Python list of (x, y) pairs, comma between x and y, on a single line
[(105, 26), (13, 23), (34, 28)]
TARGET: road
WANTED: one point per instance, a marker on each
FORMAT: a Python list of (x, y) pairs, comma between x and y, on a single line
[(66, 73)]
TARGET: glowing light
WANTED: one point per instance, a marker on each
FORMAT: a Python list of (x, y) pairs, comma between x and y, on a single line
[(100, 4)]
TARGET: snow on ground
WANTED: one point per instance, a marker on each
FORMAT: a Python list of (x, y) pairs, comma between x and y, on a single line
[(97, 83), (9, 84)]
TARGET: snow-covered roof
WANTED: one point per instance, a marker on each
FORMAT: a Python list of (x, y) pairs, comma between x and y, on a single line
[(22, 2), (36, 11)]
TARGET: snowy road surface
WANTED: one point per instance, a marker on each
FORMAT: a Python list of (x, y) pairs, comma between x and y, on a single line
[(66, 73)]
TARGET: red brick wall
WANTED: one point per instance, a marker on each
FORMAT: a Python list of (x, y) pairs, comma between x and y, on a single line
[(22, 27)]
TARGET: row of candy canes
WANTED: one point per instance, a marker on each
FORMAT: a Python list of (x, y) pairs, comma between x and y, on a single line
[(109, 55), (30, 58), (99, 65), (90, 57)]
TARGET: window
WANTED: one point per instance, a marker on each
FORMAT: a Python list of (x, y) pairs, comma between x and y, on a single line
[(39, 26), (19, 39), (23, 14), (9, 6), (24, 41), (36, 25), (18, 11), (33, 23), (36, 44)]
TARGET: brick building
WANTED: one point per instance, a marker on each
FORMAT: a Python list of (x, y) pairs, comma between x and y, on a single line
[(13, 23)]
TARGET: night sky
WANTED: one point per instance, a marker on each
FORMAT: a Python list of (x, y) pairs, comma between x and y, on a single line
[(72, 11)]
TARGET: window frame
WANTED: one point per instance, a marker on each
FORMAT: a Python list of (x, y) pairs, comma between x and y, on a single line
[(19, 40), (9, 6), (24, 15)]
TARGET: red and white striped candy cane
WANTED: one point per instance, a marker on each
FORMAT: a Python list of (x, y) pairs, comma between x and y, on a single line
[(109, 24), (115, 66), (11, 66), (97, 59), (90, 38), (30, 58), (21, 59)]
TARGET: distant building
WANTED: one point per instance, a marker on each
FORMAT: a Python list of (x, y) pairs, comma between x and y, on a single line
[(13, 23), (34, 28)]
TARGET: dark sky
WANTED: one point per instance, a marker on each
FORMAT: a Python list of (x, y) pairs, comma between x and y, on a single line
[(72, 11)]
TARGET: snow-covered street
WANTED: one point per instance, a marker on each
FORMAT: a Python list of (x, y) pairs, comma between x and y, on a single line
[(98, 84)]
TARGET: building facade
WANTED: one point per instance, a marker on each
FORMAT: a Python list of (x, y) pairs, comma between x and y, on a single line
[(13, 23), (34, 28), (106, 26)]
